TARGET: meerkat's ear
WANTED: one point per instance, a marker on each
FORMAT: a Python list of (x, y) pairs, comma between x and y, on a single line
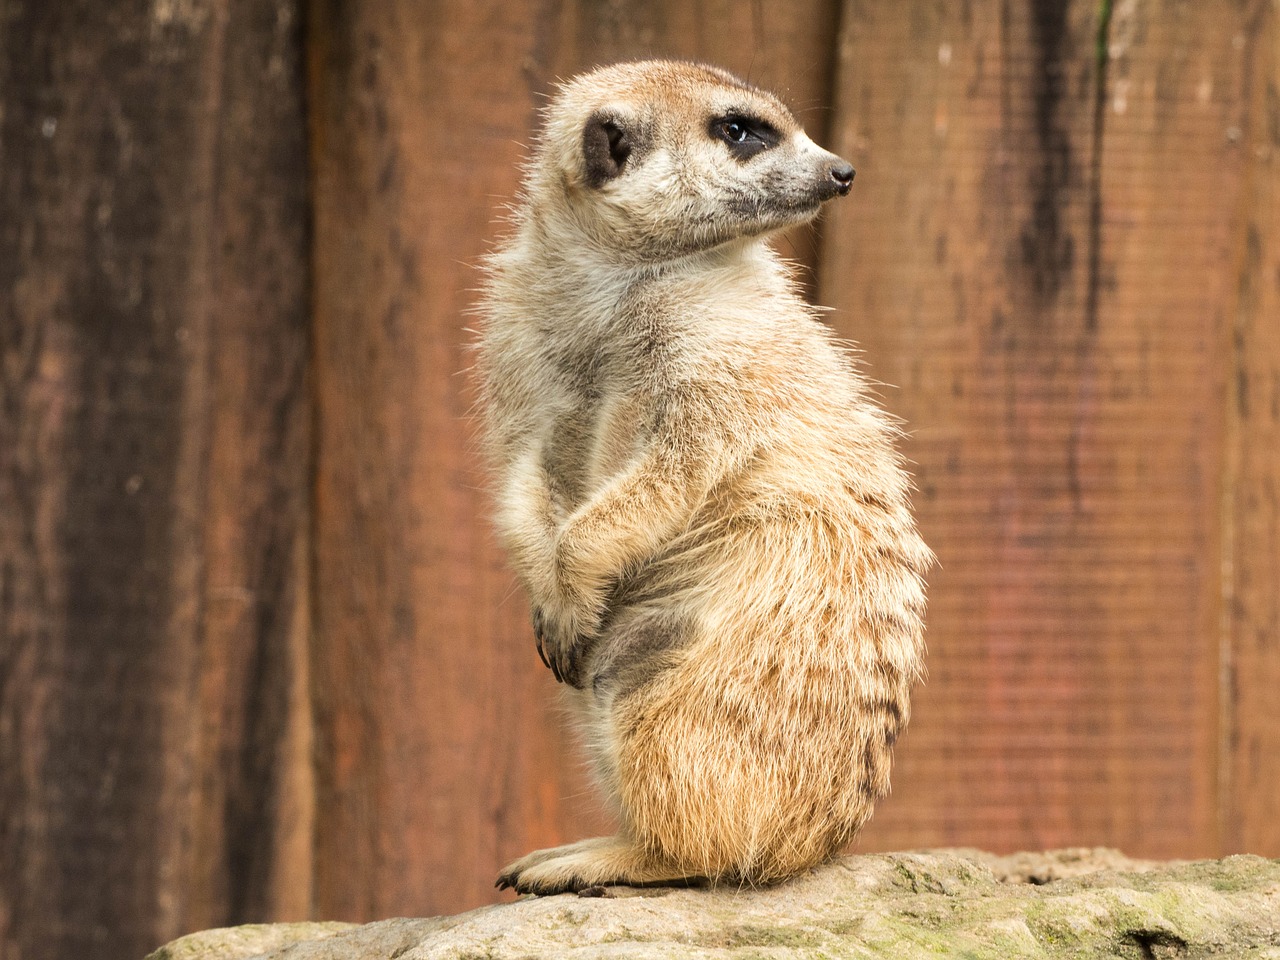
[(606, 145)]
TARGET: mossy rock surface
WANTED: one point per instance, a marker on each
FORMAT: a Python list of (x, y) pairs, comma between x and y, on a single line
[(963, 904)]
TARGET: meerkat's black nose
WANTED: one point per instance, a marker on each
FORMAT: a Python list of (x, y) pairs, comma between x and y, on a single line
[(842, 173)]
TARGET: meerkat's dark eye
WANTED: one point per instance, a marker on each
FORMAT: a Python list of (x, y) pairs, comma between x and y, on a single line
[(745, 136)]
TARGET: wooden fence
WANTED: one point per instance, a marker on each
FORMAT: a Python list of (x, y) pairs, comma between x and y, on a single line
[(259, 656)]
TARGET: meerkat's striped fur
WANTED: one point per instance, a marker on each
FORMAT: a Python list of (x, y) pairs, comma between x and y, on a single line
[(703, 503)]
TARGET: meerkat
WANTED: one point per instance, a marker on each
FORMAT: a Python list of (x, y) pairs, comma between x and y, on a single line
[(693, 485)]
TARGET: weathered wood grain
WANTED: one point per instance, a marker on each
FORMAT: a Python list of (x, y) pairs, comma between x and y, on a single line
[(1250, 326), (236, 486), (153, 473), (249, 852), (1037, 254), (437, 746)]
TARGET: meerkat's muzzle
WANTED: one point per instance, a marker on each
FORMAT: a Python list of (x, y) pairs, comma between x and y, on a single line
[(841, 174), (834, 177)]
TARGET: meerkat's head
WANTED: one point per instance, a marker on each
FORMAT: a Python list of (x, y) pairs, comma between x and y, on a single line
[(658, 159)]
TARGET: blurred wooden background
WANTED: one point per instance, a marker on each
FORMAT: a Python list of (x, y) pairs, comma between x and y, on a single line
[(259, 658)]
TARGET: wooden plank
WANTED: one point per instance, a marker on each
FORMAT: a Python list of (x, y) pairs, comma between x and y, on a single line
[(151, 218), (1250, 812), (249, 854), (441, 751), (436, 737), (1035, 254)]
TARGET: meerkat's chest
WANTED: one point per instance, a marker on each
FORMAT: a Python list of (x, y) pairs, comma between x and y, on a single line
[(595, 422)]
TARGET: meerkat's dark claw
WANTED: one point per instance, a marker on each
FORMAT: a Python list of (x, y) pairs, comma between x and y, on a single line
[(539, 635)]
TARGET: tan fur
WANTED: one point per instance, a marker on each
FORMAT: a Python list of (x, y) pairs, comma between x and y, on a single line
[(704, 505)]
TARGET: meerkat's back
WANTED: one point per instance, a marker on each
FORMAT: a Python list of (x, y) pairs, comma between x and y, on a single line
[(705, 507)]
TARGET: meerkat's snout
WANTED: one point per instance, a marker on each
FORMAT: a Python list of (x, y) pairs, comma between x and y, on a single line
[(842, 174), (834, 174)]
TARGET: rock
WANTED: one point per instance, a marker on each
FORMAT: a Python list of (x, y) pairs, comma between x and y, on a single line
[(1062, 904), (1051, 865), (250, 940)]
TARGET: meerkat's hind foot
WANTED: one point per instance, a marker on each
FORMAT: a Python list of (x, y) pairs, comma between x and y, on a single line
[(602, 862)]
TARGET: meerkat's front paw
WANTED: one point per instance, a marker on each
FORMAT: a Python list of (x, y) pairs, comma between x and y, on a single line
[(563, 641), (588, 865), (521, 876)]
